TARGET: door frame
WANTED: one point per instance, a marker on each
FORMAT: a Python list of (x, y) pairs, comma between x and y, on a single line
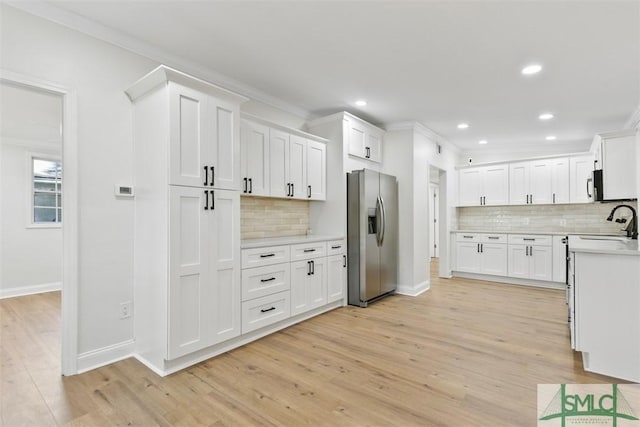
[(434, 213), (69, 306)]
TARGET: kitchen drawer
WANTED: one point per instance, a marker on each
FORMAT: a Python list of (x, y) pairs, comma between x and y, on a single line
[(336, 247), (308, 251), (267, 280), (531, 240), (468, 237), (265, 256), (264, 311), (494, 238)]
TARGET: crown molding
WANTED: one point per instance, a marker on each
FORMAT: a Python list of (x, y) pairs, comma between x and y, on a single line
[(101, 32), (424, 131), (634, 120)]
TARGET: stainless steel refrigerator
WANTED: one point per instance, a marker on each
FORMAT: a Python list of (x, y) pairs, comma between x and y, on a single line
[(372, 235)]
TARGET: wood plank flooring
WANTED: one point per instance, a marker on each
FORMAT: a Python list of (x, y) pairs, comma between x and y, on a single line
[(465, 353)]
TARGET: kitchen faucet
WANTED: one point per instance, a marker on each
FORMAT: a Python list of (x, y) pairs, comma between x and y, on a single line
[(632, 228)]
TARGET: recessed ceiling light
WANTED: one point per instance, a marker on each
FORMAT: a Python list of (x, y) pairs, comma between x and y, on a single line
[(483, 141), (531, 69), (361, 103), (545, 116), (463, 125), (550, 138)]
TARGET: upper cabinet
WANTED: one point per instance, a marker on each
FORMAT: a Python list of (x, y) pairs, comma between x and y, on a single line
[(484, 186), (581, 179), (282, 162), (616, 156), (538, 182), (364, 139)]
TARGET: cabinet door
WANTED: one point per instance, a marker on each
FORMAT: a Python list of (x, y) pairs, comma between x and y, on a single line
[(316, 170), (559, 259), (493, 259), (469, 187), (278, 147), (336, 277), (224, 305), (518, 261), (254, 141), (467, 257), (300, 273), (540, 260), (189, 141), (580, 179), (495, 185), (356, 137), (189, 271), (540, 182), (223, 119), (317, 283), (373, 146), (519, 183), (297, 166), (560, 180), (619, 167)]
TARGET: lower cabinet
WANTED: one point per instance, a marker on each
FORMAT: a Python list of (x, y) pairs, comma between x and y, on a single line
[(530, 257), (264, 311), (308, 285), (336, 277), (482, 253)]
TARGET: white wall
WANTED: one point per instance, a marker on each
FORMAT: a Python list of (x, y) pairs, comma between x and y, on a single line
[(97, 73), (31, 258)]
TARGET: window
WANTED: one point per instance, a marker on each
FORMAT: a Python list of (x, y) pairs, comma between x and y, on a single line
[(46, 191)]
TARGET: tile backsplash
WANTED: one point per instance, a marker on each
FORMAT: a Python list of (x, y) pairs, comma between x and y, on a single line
[(573, 218), (262, 217)]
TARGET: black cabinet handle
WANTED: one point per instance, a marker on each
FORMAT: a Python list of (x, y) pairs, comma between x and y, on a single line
[(250, 185), (531, 198), (293, 189), (367, 152), (468, 237), (271, 279), (288, 189), (206, 200), (313, 267), (336, 247), (493, 237), (308, 268), (264, 310), (480, 200), (478, 247), (213, 200), (206, 175), (308, 191), (528, 239), (309, 250), (344, 261), (213, 169), (526, 250), (244, 188), (267, 255)]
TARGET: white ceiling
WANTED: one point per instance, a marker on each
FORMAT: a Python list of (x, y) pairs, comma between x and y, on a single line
[(435, 62), (29, 116)]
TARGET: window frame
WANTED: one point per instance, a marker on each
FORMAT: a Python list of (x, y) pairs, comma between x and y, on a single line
[(31, 223)]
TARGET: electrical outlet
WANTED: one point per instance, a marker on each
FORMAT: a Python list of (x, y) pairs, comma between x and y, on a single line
[(125, 310)]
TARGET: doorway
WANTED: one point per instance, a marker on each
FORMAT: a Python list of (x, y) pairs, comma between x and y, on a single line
[(38, 203), (434, 212)]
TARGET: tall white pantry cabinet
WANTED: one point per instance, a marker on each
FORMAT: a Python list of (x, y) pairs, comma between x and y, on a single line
[(187, 215)]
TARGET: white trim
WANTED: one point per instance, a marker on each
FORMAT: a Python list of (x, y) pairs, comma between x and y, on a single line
[(260, 120), (155, 53), (105, 356), (424, 131), (634, 120), (522, 159), (413, 291), (69, 308), (511, 280), (19, 291)]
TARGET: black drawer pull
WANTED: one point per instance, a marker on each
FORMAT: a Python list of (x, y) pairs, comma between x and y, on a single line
[(206, 175), (264, 310), (309, 250), (468, 237), (271, 279), (267, 255), (213, 170), (494, 237), (529, 240), (336, 247)]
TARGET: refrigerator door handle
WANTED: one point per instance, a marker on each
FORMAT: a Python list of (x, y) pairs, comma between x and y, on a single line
[(378, 221), (384, 220)]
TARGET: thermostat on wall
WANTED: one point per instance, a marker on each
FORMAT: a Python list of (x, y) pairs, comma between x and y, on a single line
[(124, 191)]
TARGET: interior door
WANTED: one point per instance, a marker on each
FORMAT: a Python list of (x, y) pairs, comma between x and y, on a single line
[(389, 235)]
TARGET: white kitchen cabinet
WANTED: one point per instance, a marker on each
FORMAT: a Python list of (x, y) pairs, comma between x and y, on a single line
[(316, 170), (187, 222), (481, 253), (559, 244), (204, 134), (493, 259), (581, 179), (308, 285), (530, 257), (483, 186), (559, 180), (530, 182), (279, 185), (296, 167), (336, 277), (618, 164), (468, 257), (254, 154), (364, 140)]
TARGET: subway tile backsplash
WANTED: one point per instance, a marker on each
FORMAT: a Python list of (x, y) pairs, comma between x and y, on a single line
[(570, 218), (262, 217)]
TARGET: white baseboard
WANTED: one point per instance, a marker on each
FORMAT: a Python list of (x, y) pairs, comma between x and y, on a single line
[(511, 280), (19, 291), (413, 291), (104, 356)]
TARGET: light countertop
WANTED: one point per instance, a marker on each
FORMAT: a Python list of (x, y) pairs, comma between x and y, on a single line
[(604, 245), (547, 233), (288, 240)]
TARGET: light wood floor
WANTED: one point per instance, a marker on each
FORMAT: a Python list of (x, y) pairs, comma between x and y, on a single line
[(465, 353)]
